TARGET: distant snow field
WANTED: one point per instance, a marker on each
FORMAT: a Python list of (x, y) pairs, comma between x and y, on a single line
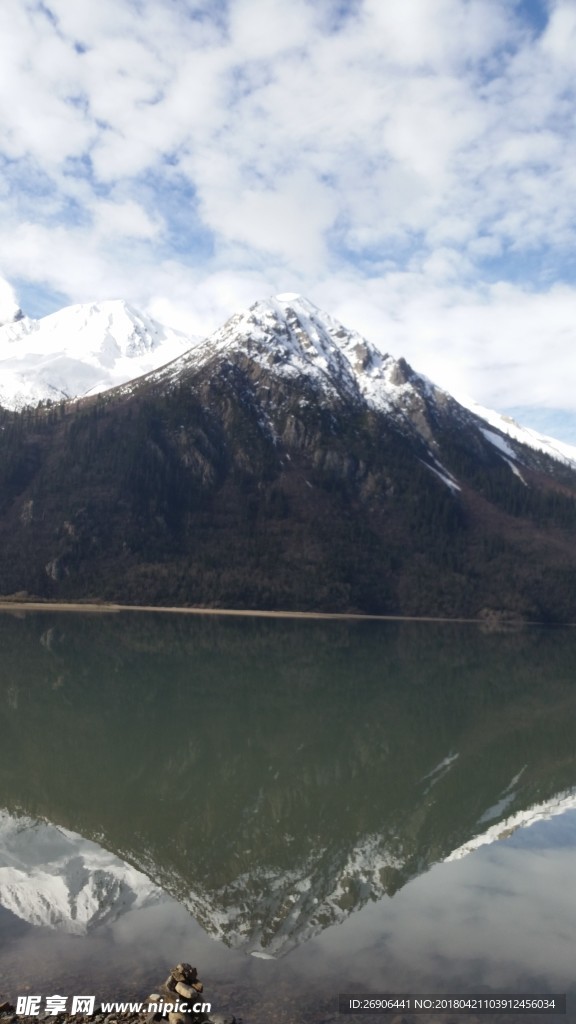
[(80, 351)]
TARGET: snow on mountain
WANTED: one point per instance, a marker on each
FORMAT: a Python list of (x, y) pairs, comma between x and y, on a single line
[(54, 878), (86, 349), (81, 350), (267, 912), (292, 337), (522, 819), (296, 337), (559, 450), (51, 877)]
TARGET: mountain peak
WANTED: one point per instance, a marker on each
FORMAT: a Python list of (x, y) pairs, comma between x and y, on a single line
[(289, 336)]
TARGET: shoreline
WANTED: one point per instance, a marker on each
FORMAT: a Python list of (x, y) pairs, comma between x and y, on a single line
[(111, 608)]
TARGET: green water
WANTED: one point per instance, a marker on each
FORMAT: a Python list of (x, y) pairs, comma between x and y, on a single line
[(291, 785)]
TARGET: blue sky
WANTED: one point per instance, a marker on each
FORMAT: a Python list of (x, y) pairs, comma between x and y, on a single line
[(409, 167)]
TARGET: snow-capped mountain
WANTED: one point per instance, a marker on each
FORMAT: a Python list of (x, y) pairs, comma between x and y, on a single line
[(54, 878), (286, 420), (81, 350), (85, 349), (291, 338)]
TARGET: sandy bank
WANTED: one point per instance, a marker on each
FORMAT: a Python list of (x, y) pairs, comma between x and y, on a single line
[(104, 608)]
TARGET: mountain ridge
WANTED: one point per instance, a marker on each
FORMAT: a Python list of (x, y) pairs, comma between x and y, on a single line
[(285, 463), (336, 354), (114, 344)]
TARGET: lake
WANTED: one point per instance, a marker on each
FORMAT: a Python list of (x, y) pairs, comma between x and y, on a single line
[(299, 808)]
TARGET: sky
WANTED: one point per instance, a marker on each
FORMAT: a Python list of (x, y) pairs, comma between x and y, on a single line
[(409, 167)]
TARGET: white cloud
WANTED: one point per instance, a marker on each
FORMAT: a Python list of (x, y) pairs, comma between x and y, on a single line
[(448, 32), (263, 29), (127, 219), (289, 219), (559, 39), (197, 307)]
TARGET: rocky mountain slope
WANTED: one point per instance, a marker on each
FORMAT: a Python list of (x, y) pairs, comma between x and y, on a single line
[(287, 463)]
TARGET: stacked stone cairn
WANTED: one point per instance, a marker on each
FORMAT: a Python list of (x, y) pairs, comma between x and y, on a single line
[(182, 990)]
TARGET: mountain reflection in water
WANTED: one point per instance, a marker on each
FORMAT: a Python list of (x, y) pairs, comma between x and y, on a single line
[(274, 777)]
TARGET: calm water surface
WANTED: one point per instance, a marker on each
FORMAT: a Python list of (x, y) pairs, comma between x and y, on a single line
[(299, 808)]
